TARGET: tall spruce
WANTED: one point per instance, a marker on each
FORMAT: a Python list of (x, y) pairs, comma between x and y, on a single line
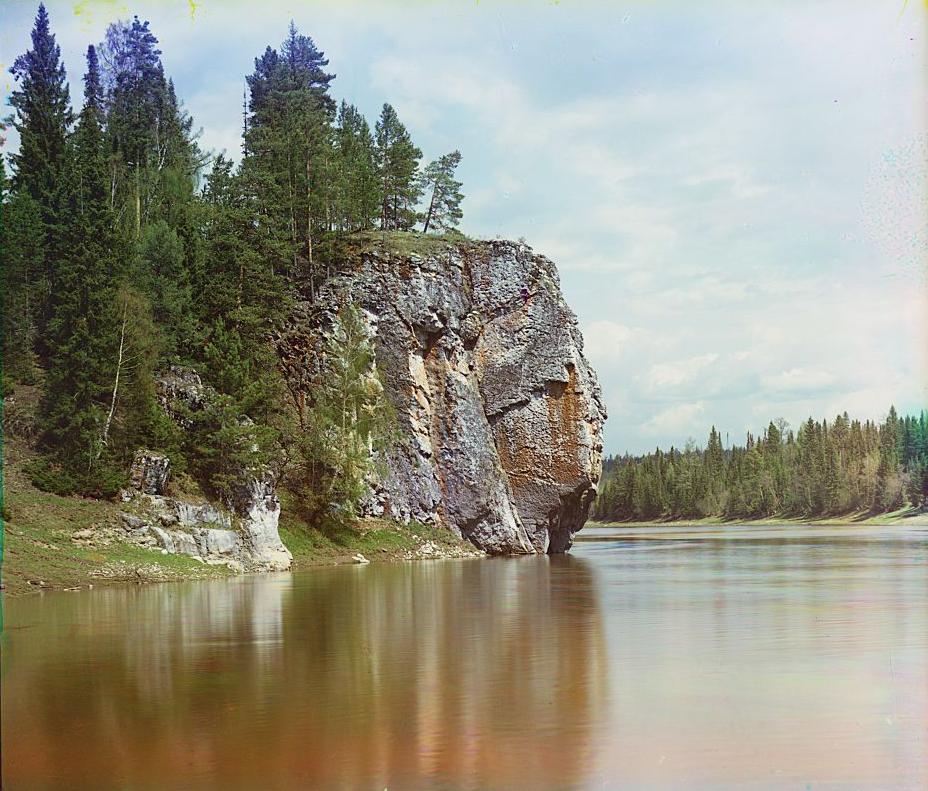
[(82, 329), (42, 116)]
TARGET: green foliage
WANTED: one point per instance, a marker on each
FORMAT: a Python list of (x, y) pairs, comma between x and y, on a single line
[(115, 266), (22, 241), (102, 481), (42, 116), (822, 470), (153, 159), (286, 170), (50, 478), (162, 273), (397, 168), (81, 334), (438, 180), (225, 444), (357, 198), (347, 422)]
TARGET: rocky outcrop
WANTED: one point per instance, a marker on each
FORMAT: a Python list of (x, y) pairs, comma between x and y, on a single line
[(242, 534), (482, 359), (149, 472)]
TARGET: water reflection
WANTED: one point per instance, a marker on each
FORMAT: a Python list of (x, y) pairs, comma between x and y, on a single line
[(478, 674), (660, 658)]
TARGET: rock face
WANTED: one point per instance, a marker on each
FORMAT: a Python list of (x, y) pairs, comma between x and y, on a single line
[(482, 359), (243, 535), (149, 473)]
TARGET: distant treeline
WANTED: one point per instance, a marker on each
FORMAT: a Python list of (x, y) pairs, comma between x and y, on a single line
[(822, 469)]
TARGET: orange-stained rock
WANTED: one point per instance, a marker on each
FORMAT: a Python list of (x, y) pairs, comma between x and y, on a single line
[(500, 412)]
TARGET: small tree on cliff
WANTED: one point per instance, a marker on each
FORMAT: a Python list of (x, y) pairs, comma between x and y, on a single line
[(347, 423), (445, 193)]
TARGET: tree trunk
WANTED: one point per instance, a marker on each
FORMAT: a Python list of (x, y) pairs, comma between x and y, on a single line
[(428, 217), (119, 363), (138, 203), (309, 231)]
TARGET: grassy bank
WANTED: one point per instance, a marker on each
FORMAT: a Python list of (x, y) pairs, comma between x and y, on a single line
[(72, 543)]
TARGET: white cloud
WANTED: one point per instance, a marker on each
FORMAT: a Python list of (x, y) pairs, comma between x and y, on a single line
[(606, 342), (668, 376), (678, 419), (733, 193), (798, 380)]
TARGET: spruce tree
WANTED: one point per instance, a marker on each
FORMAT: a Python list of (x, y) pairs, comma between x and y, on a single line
[(358, 198), (22, 243), (42, 116), (82, 329)]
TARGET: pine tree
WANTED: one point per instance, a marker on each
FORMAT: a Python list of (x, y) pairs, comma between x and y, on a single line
[(444, 209), (397, 167), (289, 161)]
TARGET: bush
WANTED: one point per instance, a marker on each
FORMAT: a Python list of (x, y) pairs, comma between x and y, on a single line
[(104, 480), (19, 419), (50, 477)]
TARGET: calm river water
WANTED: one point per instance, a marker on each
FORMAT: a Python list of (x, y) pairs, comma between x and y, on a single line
[(654, 658)]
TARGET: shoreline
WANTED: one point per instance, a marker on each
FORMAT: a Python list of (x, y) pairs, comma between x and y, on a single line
[(72, 543), (904, 517)]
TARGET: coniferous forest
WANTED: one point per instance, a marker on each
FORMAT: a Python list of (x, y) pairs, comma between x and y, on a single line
[(128, 248), (822, 469)]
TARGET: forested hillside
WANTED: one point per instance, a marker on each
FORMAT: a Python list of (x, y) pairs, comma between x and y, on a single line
[(822, 469), (128, 248)]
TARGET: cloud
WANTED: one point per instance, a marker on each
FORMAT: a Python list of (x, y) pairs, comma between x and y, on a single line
[(668, 376), (799, 380), (679, 419), (607, 341), (733, 193)]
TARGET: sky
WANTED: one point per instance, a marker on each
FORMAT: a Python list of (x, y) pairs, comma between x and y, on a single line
[(734, 193)]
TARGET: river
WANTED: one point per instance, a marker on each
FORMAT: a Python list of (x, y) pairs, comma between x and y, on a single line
[(648, 658)]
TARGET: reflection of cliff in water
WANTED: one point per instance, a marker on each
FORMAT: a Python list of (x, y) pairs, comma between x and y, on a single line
[(483, 674)]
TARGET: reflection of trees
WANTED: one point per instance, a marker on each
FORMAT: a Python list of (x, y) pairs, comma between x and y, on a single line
[(483, 674)]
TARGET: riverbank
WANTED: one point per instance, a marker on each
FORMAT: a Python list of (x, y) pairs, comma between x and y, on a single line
[(904, 516), (73, 543)]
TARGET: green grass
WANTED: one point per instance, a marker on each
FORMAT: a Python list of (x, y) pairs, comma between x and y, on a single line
[(405, 242), (335, 541), (40, 555)]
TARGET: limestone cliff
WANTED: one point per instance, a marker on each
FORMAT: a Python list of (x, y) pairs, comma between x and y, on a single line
[(499, 412)]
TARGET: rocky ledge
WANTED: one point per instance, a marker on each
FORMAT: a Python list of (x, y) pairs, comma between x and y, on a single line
[(242, 534), (482, 359)]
